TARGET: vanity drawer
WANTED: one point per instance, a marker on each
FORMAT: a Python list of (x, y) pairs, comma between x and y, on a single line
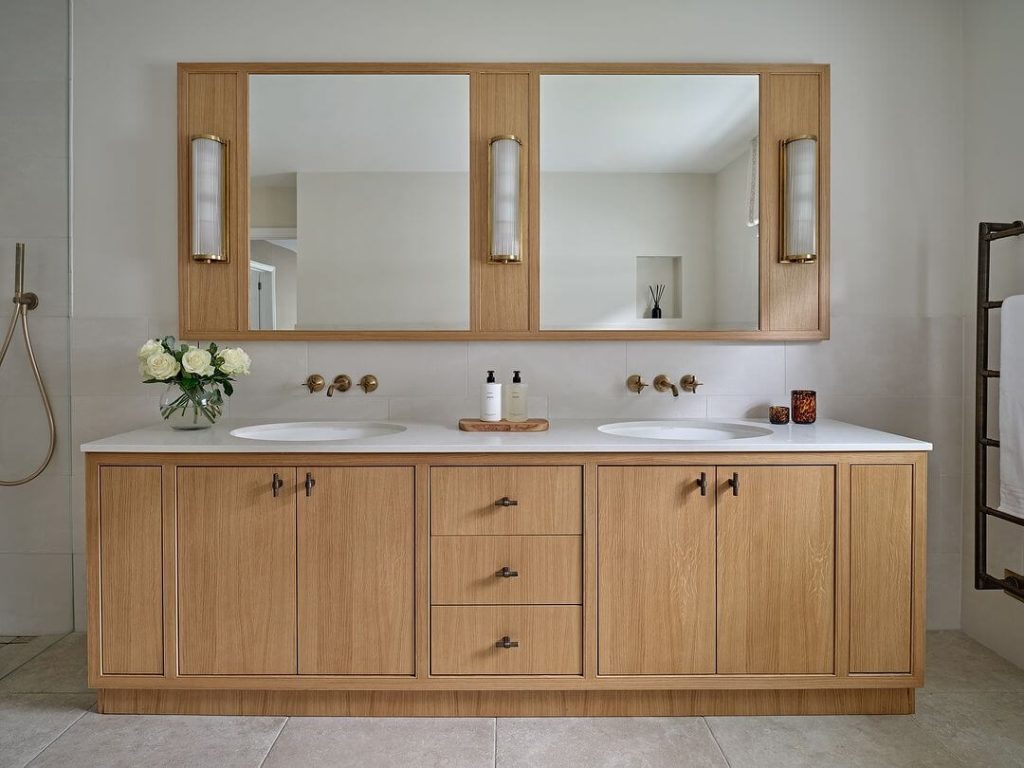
[(493, 501), (464, 640), (547, 569)]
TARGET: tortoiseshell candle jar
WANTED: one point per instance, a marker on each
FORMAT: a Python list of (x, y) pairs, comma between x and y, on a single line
[(778, 414), (805, 406)]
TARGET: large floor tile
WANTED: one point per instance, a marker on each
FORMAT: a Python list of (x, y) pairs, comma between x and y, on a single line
[(13, 656), (127, 741), (60, 669), (982, 728), (384, 743), (957, 663), (30, 722), (837, 742), (651, 742)]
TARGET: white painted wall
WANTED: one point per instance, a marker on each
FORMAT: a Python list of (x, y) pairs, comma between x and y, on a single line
[(35, 522), (595, 225), (735, 261), (994, 108), (383, 251), (898, 233)]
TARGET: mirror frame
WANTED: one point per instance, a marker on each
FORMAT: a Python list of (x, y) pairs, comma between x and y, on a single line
[(504, 297)]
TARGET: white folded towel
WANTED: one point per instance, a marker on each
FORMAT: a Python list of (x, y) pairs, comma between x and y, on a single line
[(1011, 407)]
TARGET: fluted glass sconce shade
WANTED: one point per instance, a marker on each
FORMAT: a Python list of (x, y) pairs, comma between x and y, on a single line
[(209, 199), (505, 222), (799, 199)]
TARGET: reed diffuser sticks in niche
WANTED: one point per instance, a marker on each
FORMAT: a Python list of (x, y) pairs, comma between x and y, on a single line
[(657, 291)]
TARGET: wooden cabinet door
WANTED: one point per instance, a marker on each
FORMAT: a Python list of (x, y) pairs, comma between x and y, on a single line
[(776, 566), (236, 571), (356, 606), (656, 571)]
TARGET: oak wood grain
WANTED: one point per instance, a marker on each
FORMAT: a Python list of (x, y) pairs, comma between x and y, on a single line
[(356, 571), (656, 571)]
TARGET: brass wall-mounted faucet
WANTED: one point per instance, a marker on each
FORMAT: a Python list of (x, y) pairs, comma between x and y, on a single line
[(314, 383), (635, 383), (368, 383), (663, 383), (341, 383), (689, 383)]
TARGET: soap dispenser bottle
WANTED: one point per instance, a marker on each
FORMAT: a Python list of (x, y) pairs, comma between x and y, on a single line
[(490, 399), (516, 398)]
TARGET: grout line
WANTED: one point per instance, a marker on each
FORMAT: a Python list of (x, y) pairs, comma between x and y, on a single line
[(71, 725), (715, 739), (274, 742), (35, 655)]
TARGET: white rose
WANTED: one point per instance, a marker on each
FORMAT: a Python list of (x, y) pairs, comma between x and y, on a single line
[(234, 361), (149, 349), (197, 361), (161, 366)]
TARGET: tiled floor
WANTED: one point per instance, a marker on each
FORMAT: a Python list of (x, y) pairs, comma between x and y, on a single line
[(971, 713)]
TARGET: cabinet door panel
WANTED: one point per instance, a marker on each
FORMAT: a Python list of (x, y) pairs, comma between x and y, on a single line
[(656, 571), (356, 530), (236, 571), (776, 565), (881, 548)]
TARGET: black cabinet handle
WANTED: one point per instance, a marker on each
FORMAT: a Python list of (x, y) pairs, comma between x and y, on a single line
[(703, 483), (507, 642), (505, 501), (734, 481), (310, 482), (506, 572), (276, 484)]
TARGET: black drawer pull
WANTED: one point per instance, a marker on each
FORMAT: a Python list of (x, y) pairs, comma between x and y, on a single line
[(703, 483), (507, 642), (505, 501), (276, 484), (310, 482), (506, 572), (734, 481)]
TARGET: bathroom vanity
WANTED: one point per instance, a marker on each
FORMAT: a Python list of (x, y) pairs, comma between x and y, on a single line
[(571, 572)]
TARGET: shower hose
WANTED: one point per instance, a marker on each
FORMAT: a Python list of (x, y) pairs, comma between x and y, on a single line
[(23, 303)]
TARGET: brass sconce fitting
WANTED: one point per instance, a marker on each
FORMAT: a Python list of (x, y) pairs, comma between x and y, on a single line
[(368, 383), (689, 383), (662, 383), (635, 383), (342, 383), (314, 383)]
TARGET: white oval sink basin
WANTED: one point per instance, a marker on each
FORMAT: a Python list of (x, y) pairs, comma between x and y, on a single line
[(317, 431), (693, 430)]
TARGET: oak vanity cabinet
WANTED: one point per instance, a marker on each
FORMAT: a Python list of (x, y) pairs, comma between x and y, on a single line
[(724, 569)]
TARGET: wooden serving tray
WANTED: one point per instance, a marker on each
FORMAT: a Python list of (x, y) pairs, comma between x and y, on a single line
[(530, 425)]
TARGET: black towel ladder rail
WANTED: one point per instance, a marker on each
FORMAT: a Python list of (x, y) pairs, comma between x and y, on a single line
[(1012, 584)]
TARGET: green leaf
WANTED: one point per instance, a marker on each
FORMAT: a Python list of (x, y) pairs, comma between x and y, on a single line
[(228, 389)]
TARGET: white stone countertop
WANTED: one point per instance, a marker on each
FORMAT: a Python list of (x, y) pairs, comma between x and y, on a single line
[(564, 436)]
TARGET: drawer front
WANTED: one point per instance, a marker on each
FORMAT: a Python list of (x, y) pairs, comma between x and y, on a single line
[(463, 638), (540, 569), (491, 501)]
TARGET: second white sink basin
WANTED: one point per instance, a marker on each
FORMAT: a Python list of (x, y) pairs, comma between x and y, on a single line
[(317, 431), (692, 430)]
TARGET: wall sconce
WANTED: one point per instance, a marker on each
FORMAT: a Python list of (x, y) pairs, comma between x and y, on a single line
[(799, 187), (209, 199), (505, 219)]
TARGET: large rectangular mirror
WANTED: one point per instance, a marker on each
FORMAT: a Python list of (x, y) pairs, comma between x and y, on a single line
[(359, 202), (649, 189)]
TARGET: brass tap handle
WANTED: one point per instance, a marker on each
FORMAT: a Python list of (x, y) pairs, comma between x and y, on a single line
[(342, 383), (506, 573), (662, 383), (314, 383), (368, 383), (635, 383), (689, 383), (507, 642)]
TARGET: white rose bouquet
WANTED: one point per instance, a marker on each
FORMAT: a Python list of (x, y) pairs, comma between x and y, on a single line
[(195, 377)]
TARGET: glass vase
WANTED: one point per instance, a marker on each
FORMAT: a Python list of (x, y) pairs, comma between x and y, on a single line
[(197, 408)]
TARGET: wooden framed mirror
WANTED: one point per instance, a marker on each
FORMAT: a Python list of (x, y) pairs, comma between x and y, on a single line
[(358, 201)]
